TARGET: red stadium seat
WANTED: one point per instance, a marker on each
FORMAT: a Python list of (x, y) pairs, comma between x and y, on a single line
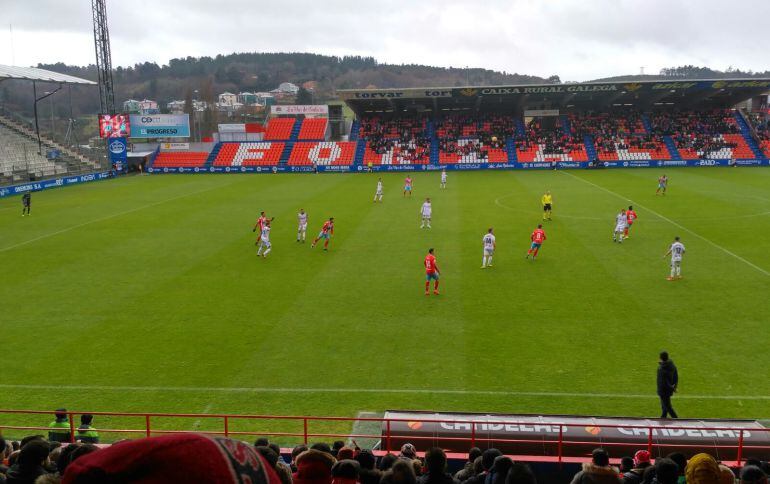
[(180, 158), (313, 129), (323, 153), (279, 129)]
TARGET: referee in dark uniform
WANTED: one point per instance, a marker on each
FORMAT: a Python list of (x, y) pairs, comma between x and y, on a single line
[(668, 379), (26, 202)]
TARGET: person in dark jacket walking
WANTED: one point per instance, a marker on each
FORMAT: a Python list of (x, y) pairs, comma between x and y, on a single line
[(668, 379), (435, 463)]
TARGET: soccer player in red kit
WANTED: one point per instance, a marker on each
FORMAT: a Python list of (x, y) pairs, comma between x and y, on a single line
[(431, 273), (258, 227), (326, 232), (537, 238), (630, 217)]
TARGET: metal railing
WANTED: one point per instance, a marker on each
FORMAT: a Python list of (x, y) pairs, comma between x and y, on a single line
[(223, 424)]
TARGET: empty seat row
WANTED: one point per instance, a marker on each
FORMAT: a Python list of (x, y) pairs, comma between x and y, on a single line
[(184, 158), (313, 129)]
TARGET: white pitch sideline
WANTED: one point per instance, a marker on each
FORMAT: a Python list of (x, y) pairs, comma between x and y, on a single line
[(415, 391)]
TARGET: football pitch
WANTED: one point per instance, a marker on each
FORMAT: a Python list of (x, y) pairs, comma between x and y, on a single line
[(145, 294)]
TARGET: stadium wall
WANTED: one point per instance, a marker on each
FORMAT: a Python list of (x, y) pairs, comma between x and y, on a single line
[(457, 166), (53, 183)]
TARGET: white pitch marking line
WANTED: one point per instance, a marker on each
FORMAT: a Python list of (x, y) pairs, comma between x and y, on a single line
[(125, 212), (206, 410), (663, 217), (501, 393)]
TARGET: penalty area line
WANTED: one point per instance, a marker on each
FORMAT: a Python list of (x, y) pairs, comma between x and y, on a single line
[(406, 391), (672, 222)]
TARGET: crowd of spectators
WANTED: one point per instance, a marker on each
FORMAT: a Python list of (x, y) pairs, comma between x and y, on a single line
[(204, 459), (616, 124), (554, 140), (489, 129), (407, 138), (696, 132)]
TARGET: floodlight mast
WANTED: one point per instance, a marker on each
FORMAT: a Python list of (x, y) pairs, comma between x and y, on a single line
[(103, 57)]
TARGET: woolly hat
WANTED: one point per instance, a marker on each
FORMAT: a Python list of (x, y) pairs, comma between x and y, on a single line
[(702, 469), (173, 458), (641, 457)]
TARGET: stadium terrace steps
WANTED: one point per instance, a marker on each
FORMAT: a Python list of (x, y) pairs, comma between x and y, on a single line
[(590, 147), (510, 148), (354, 129), (672, 149), (213, 155), (295, 129), (746, 132), (287, 151), (646, 123), (360, 150)]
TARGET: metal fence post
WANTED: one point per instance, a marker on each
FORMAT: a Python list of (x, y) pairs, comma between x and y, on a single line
[(740, 448), (304, 423), (72, 428), (649, 441), (227, 426), (387, 437), (147, 425), (561, 439)]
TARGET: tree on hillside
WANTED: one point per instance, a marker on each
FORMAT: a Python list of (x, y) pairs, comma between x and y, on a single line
[(188, 101), (304, 96)]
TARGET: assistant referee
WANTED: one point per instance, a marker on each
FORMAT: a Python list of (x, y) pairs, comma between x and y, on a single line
[(547, 204)]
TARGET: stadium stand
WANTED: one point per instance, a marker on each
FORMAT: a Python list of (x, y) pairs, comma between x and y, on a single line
[(473, 139), (279, 129), (708, 134), (313, 129), (249, 154), (177, 159), (322, 153), (538, 144), (20, 161), (396, 141), (619, 136)]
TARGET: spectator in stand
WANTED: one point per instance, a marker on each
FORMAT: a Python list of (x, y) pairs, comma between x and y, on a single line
[(681, 463), (666, 471), (702, 469), (336, 446), (467, 471), (59, 429), (368, 474), (626, 464), (387, 462), (172, 458), (520, 474), (346, 471), (753, 475), (273, 459), (314, 467), (31, 463), (500, 470), (435, 465), (345, 453), (598, 471), (487, 461), (402, 472), (261, 442), (86, 433), (641, 463), (297, 450), (323, 447), (408, 452), (726, 475)]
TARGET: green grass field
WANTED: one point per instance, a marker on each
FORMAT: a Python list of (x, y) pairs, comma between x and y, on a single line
[(145, 294)]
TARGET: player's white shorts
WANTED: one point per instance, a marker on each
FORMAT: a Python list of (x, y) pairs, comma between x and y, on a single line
[(489, 252), (620, 228), (266, 242), (302, 227), (426, 215), (676, 263), (379, 193)]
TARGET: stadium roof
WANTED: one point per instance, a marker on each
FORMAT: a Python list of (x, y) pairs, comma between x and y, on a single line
[(35, 74), (695, 93)]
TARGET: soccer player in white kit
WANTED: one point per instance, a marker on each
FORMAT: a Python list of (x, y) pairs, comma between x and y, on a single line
[(443, 178), (425, 212), (489, 249), (676, 251), (301, 225), (620, 226), (264, 241), (378, 193)]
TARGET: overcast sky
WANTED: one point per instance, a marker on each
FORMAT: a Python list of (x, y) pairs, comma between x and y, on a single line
[(576, 39)]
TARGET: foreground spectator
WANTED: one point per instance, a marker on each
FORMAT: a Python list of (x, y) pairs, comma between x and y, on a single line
[(702, 469), (520, 474), (487, 461), (626, 464), (367, 473), (726, 475), (753, 475), (598, 471), (314, 467), (408, 452), (681, 463), (346, 471), (435, 465), (666, 471), (500, 470), (641, 463), (59, 429), (296, 451), (387, 462), (173, 458), (467, 471), (31, 463), (402, 472)]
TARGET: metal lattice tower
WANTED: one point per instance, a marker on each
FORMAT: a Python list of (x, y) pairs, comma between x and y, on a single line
[(103, 56)]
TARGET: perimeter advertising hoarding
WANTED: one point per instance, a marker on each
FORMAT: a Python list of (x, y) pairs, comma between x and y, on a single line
[(538, 435), (306, 109), (160, 125)]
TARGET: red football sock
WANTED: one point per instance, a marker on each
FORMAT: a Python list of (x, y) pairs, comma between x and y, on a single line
[(435, 285), (534, 254), (625, 232), (326, 244), (427, 286)]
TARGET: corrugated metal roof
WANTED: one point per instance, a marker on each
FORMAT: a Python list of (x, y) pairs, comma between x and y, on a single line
[(35, 74)]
